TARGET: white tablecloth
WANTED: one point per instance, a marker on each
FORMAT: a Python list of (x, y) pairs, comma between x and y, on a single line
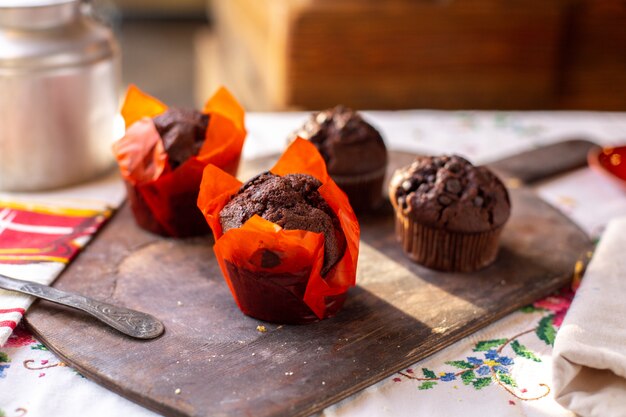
[(504, 370)]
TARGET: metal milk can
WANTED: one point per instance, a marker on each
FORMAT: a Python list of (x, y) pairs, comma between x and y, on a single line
[(59, 79)]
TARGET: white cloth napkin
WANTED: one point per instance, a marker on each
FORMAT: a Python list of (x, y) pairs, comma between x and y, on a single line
[(589, 367)]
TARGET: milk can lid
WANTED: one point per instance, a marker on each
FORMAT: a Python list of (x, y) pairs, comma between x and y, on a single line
[(36, 34)]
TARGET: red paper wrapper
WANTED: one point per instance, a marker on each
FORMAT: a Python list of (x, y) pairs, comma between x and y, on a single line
[(274, 274), (164, 200)]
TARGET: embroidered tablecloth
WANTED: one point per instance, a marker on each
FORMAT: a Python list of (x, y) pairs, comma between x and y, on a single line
[(504, 369)]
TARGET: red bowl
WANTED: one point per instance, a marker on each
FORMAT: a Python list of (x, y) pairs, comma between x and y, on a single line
[(610, 162)]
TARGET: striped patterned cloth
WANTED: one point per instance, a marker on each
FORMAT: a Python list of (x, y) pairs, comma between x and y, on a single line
[(41, 233)]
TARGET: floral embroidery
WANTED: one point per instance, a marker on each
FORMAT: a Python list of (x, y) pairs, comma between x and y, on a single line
[(20, 412), (491, 365), (558, 304), (4, 364), (39, 346), (506, 121), (44, 364), (31, 365)]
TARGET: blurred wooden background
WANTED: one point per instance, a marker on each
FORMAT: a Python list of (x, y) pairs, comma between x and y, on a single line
[(392, 54)]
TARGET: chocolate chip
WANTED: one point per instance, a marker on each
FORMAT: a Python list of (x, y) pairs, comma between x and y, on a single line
[(406, 185), (478, 201), (453, 166), (430, 178), (444, 200), (402, 201), (453, 186)]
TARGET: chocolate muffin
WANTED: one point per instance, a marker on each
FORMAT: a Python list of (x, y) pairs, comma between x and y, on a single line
[(164, 152), (354, 152), (292, 202), (449, 213), (182, 132)]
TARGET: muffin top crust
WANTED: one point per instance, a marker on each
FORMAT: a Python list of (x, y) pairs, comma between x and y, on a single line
[(348, 144), (449, 192), (292, 202), (182, 132)]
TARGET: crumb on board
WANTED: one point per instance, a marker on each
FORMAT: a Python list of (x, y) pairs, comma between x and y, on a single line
[(179, 303), (289, 373), (260, 328), (177, 391), (566, 201), (439, 330), (513, 183)]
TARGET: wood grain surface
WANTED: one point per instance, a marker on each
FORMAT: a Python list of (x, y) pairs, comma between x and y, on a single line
[(284, 54), (398, 314)]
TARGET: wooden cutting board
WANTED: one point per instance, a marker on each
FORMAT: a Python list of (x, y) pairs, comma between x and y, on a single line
[(398, 314)]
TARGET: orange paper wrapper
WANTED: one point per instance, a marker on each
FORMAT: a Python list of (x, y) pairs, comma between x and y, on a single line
[(164, 200), (274, 274)]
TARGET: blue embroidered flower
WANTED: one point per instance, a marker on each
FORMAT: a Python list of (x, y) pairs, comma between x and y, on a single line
[(505, 360), (483, 370), (2, 369), (502, 369), (447, 377), (491, 354), (474, 361)]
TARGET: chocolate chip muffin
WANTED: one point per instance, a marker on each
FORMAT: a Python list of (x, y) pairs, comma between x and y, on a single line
[(354, 152), (449, 213), (292, 202), (182, 132)]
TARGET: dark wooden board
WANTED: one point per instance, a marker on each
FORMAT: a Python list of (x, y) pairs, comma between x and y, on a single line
[(398, 314)]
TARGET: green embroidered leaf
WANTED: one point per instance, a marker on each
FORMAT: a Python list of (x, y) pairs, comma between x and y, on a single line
[(38, 346), (2, 413), (4, 357), (427, 385), (460, 364), (530, 309), (523, 351), (468, 377), (545, 330), (481, 383), (485, 345), (428, 373), (506, 379)]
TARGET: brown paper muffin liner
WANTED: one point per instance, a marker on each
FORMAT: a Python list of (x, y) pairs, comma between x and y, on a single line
[(363, 191), (446, 250)]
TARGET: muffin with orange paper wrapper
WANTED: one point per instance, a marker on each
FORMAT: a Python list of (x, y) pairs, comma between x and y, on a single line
[(164, 151), (287, 241)]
